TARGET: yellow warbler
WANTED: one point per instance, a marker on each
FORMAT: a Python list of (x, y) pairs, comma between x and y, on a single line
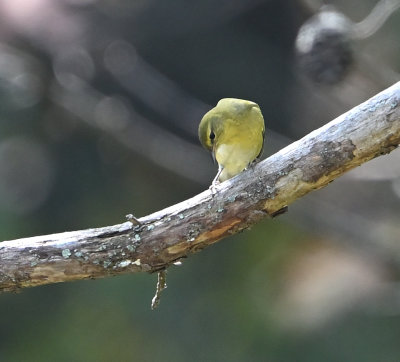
[(233, 132)]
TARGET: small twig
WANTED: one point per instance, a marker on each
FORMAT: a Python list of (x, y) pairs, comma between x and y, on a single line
[(161, 285), (133, 220), (374, 21)]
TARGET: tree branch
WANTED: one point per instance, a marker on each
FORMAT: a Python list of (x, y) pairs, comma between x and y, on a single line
[(367, 131)]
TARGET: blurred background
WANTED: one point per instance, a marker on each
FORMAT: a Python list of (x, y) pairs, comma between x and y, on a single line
[(99, 106)]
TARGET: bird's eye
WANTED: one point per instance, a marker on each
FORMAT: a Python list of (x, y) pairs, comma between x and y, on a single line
[(212, 135)]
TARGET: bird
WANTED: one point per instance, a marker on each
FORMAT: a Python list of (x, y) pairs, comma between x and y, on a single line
[(233, 131)]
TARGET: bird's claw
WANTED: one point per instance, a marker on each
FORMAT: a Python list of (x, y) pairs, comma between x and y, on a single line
[(213, 187)]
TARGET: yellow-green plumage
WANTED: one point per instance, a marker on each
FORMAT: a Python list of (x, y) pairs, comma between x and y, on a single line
[(233, 132)]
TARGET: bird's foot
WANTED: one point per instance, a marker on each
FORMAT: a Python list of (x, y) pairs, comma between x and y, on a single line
[(213, 187)]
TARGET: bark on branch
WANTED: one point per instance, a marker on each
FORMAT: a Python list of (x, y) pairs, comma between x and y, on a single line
[(367, 131)]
